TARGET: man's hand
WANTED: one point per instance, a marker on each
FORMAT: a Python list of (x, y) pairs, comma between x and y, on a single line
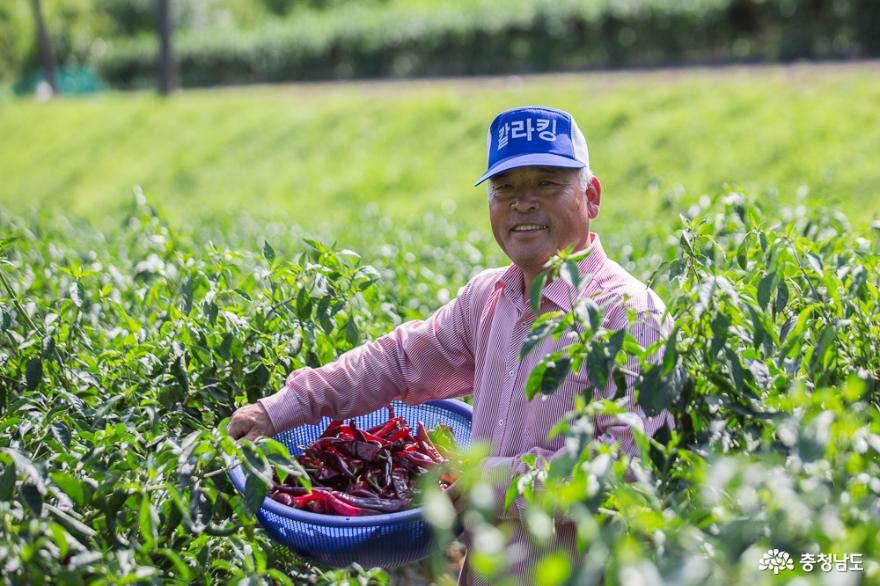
[(250, 422)]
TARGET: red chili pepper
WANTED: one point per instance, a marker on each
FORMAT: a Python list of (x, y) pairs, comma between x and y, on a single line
[(426, 445), (284, 499), (389, 427), (402, 434), (374, 503), (363, 450), (358, 472), (331, 502), (400, 482), (366, 436), (418, 458), (291, 490), (332, 428)]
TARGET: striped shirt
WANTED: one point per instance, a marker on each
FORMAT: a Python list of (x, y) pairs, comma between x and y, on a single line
[(471, 345)]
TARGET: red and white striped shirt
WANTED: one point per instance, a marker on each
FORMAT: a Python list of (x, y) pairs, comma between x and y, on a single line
[(471, 345)]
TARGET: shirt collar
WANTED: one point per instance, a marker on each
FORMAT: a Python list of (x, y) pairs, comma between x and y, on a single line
[(558, 291)]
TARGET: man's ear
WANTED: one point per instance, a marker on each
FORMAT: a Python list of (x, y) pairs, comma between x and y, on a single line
[(594, 197)]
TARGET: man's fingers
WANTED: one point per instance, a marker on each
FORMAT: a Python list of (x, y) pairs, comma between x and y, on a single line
[(237, 427)]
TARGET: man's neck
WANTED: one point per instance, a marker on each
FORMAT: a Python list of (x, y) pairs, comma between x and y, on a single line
[(529, 276)]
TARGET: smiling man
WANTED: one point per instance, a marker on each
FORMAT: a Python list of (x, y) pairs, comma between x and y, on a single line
[(542, 196)]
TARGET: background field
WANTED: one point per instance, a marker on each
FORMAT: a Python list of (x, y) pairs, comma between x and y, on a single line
[(319, 155)]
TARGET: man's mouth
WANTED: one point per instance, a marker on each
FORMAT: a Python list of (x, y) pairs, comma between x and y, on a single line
[(528, 228)]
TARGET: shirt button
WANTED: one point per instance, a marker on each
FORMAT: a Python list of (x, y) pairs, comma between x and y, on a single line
[(511, 373), (500, 423)]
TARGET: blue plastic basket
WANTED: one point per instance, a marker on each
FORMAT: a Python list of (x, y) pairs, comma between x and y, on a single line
[(386, 541)]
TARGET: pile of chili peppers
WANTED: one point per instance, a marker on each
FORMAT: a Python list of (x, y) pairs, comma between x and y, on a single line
[(357, 472)]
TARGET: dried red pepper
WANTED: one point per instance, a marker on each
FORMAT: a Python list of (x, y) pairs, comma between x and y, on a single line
[(356, 472)]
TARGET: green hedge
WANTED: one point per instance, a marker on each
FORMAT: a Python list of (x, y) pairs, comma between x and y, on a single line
[(428, 39)]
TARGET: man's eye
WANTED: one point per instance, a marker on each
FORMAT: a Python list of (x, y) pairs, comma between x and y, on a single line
[(546, 182)]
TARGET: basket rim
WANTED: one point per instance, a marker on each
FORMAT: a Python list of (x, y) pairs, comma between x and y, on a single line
[(237, 476)]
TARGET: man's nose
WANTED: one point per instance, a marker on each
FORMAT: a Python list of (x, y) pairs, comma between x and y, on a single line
[(524, 201)]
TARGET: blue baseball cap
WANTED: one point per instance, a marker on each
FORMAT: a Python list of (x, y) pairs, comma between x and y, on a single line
[(534, 135)]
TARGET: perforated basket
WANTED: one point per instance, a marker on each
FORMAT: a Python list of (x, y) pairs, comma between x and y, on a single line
[(385, 541)]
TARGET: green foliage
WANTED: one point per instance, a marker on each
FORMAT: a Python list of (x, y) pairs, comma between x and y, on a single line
[(405, 38), (239, 41), (121, 360)]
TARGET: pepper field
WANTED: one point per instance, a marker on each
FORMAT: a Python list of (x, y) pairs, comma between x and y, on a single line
[(166, 261)]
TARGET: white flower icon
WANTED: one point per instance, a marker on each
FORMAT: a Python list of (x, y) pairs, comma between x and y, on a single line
[(776, 560)]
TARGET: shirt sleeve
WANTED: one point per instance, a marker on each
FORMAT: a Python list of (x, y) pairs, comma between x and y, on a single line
[(418, 361)]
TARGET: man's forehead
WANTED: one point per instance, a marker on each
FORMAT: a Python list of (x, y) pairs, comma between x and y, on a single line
[(540, 170)]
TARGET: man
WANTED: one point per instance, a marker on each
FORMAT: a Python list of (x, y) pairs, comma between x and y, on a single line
[(542, 196)]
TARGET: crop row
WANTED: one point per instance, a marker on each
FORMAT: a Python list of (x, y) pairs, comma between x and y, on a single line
[(121, 355)]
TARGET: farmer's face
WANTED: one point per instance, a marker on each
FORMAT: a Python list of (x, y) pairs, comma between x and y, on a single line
[(536, 211)]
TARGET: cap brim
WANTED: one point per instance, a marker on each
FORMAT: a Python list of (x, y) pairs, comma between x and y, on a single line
[(530, 160)]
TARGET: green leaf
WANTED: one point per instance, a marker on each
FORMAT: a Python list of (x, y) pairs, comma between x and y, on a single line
[(554, 568), (268, 251), (180, 568), (33, 373), (815, 262), (254, 492), (657, 391), (589, 314), (71, 486), (148, 523), (48, 344), (781, 296), (599, 366), (764, 288), (77, 293), (211, 311), (742, 253), (510, 496), (71, 523), (720, 325), (547, 375), (178, 369), (825, 343), (314, 244), (352, 336), (7, 242), (650, 399), (570, 273), (739, 374), (7, 480), (539, 331), (303, 304), (535, 291), (670, 351), (444, 440), (620, 385), (32, 498)]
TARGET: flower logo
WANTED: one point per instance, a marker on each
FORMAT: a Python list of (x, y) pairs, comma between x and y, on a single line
[(776, 560)]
